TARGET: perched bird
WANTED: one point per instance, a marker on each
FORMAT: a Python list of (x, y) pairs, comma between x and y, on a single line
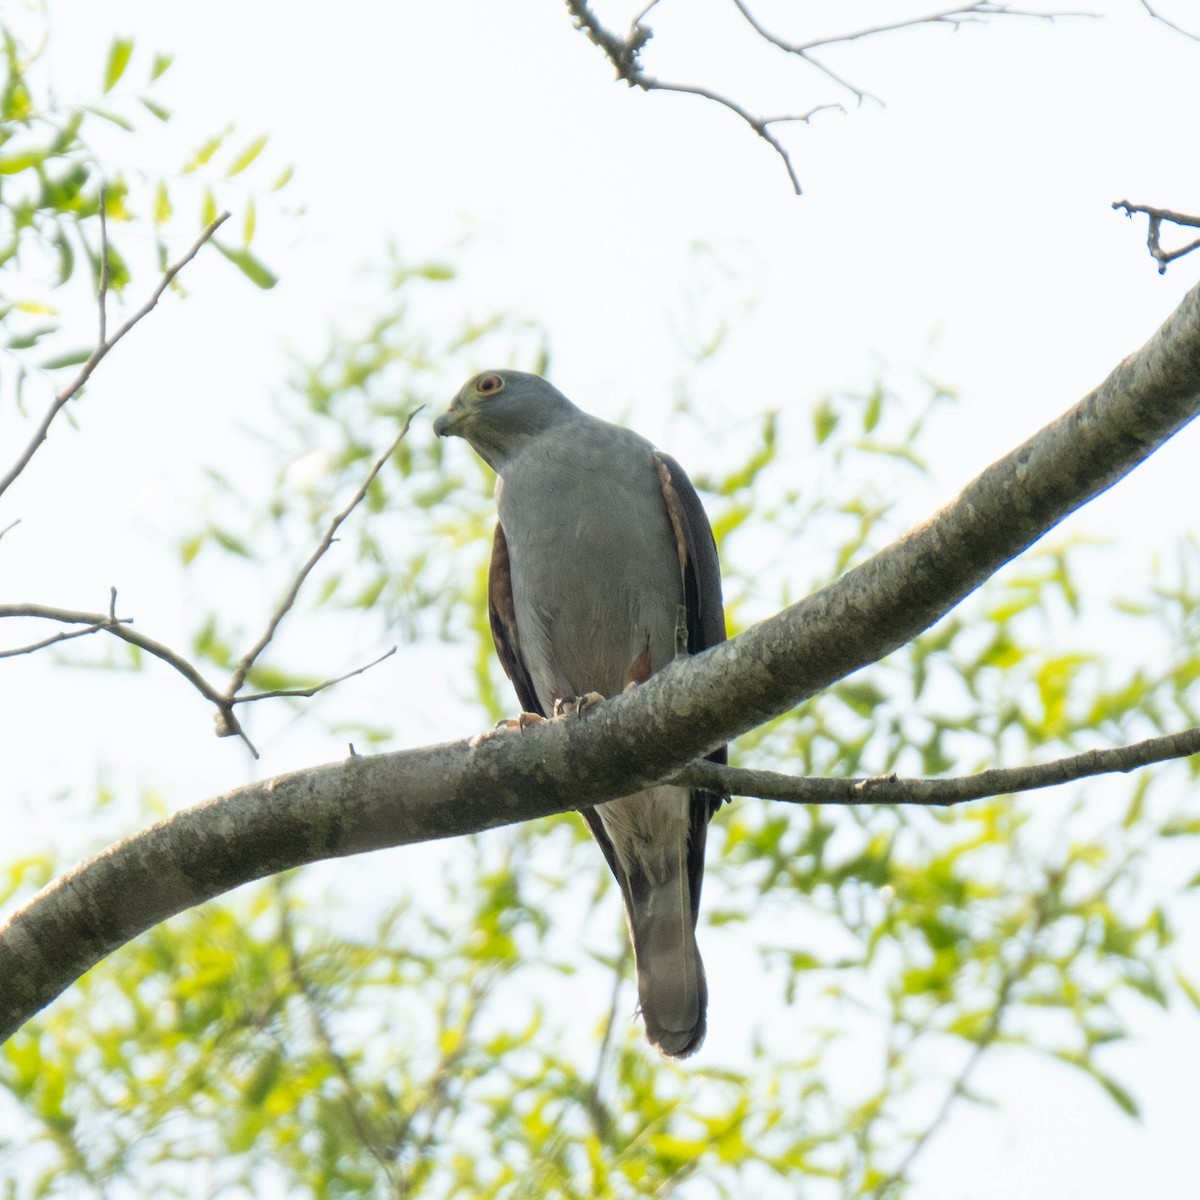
[(603, 565)]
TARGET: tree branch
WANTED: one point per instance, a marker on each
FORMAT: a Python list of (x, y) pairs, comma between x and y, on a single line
[(285, 605), (104, 345), (1169, 24), (635, 740), (939, 793), (1157, 217), (625, 52), (224, 701)]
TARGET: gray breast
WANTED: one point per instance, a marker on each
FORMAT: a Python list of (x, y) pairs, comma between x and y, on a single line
[(595, 571)]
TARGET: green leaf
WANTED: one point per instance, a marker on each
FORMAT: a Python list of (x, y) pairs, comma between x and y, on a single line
[(153, 107), (1123, 1098), (249, 266), (206, 150), (106, 114), (825, 421), (10, 164), (162, 204), (1189, 989), (118, 59), (873, 410), (72, 358), (247, 156), (161, 63)]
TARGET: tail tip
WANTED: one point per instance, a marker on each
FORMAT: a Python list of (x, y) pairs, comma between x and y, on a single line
[(676, 1043)]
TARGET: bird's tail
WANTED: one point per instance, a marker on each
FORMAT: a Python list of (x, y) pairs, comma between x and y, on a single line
[(672, 992)]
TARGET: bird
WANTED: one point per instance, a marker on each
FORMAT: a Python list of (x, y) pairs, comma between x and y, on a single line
[(603, 568)]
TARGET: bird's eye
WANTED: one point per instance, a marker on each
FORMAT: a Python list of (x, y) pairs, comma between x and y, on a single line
[(489, 385)]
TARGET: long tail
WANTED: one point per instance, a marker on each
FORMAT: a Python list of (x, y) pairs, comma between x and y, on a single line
[(671, 988)]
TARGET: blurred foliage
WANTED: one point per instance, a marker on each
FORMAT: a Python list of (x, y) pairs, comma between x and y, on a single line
[(473, 1040), (65, 208), (463, 1029), (422, 528)]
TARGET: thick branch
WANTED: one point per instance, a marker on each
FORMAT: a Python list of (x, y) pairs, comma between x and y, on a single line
[(634, 740)]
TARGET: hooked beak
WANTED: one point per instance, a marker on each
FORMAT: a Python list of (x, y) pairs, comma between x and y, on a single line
[(447, 424)]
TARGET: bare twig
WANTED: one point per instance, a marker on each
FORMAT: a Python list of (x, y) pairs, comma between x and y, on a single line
[(285, 605), (1157, 217), (303, 692), (967, 14), (226, 700), (103, 347), (16, 651), (623, 53), (803, 52), (1187, 33), (954, 17), (10, 525), (890, 789), (760, 125), (120, 627)]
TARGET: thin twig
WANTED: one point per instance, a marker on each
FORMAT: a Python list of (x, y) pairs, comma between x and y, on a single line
[(120, 627), (224, 701), (623, 53), (1156, 217), (760, 125), (10, 525), (315, 688), (1170, 24), (889, 789), (52, 641), (105, 345), (285, 605), (968, 14)]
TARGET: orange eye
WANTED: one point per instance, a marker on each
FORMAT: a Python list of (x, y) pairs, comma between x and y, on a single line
[(489, 385)]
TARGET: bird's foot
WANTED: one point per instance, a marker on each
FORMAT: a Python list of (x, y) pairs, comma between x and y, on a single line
[(576, 706), (507, 725)]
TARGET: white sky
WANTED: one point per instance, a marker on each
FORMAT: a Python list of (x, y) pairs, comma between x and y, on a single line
[(964, 229)]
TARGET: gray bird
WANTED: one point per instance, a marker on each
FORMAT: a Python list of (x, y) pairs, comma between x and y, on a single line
[(601, 549)]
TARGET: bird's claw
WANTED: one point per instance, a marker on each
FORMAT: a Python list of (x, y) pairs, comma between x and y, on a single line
[(520, 724), (576, 706)]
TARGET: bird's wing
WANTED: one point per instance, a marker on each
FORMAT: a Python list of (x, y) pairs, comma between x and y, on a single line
[(705, 626), (697, 555), (503, 618)]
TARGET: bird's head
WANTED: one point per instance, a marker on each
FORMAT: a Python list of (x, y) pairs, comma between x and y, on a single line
[(500, 412)]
